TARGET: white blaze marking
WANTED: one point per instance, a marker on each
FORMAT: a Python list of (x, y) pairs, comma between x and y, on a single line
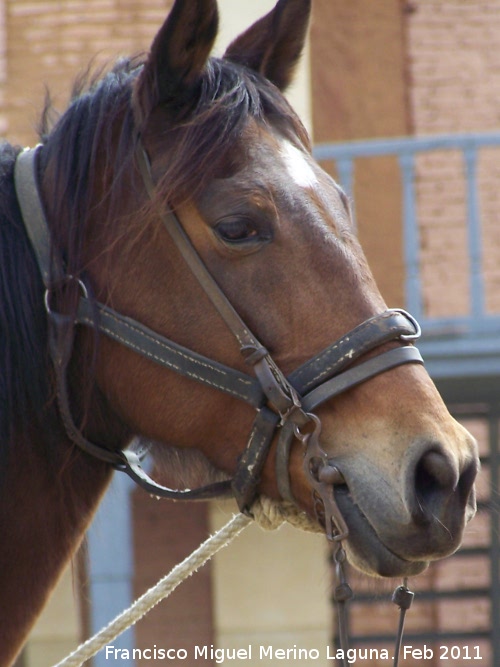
[(297, 166)]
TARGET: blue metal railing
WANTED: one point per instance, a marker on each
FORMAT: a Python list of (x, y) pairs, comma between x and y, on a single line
[(406, 149), (453, 346)]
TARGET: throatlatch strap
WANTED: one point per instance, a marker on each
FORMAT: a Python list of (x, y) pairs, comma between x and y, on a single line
[(61, 333), (131, 465)]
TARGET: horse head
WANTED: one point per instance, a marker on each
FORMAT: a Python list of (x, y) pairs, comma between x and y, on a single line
[(210, 147)]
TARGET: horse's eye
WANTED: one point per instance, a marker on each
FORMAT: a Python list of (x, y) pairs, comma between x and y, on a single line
[(237, 230)]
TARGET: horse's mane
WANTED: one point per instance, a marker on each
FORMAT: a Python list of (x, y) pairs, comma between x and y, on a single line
[(23, 375), (96, 136)]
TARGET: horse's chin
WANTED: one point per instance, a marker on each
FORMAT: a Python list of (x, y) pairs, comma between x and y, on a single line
[(181, 467), (365, 550)]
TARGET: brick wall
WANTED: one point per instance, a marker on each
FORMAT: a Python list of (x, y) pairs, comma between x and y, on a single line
[(454, 86), (378, 617), (451, 61), (454, 65), (48, 43)]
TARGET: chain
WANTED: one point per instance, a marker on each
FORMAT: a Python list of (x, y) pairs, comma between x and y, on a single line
[(323, 477), (403, 598), (341, 595)]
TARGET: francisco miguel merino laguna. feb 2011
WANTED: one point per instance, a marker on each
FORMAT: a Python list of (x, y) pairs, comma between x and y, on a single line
[(249, 652), (269, 652)]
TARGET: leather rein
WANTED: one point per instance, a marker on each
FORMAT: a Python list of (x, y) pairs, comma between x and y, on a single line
[(284, 406)]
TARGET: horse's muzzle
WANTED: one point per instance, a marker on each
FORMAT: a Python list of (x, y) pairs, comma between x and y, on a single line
[(397, 531)]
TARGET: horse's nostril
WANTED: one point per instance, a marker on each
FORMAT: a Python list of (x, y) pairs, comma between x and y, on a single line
[(436, 479), (466, 487)]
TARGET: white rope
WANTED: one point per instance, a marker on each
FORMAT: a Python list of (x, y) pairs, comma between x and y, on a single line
[(267, 513), (158, 592), (270, 514)]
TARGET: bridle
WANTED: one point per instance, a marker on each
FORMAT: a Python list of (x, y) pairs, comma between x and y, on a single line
[(285, 406)]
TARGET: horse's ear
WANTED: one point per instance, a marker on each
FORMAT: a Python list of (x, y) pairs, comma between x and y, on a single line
[(272, 46), (177, 57)]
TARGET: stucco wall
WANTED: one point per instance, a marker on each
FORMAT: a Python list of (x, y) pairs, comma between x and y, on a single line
[(359, 92)]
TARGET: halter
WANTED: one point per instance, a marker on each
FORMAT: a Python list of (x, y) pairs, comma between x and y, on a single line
[(284, 406)]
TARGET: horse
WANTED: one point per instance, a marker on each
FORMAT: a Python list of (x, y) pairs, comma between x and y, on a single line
[(169, 213)]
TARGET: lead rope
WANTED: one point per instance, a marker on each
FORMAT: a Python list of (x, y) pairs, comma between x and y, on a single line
[(268, 514), (269, 517), (161, 590)]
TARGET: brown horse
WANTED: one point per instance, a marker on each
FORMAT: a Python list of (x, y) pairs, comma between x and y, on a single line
[(264, 245)]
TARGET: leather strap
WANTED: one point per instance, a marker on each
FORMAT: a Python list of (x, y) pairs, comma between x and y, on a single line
[(387, 326), (354, 376), (274, 384), (131, 465), (25, 180), (250, 465), (285, 441), (61, 333), (165, 352), (324, 376), (333, 387)]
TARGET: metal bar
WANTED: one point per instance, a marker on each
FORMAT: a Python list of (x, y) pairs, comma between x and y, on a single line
[(476, 283), (489, 322), (460, 638), (345, 171), (462, 594), (411, 240), (110, 565), (495, 538), (396, 145)]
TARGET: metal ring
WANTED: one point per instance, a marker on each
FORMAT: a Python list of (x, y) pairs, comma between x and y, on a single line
[(46, 298), (297, 428), (413, 321)]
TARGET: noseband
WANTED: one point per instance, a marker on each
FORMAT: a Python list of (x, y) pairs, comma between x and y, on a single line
[(285, 407)]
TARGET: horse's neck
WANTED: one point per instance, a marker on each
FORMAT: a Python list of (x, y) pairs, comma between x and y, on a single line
[(45, 508), (48, 490)]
